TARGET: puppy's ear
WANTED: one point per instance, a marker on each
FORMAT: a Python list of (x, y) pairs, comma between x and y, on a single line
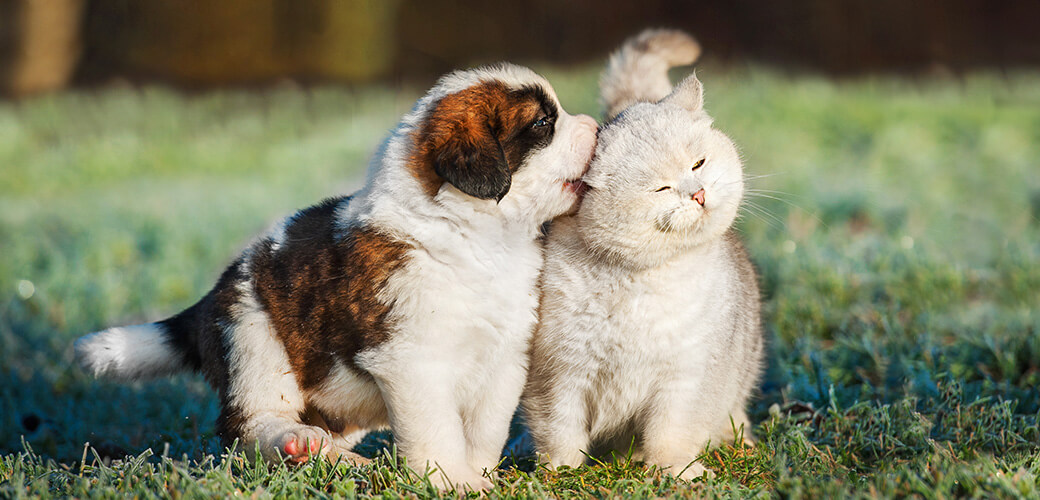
[(689, 94), (472, 160), (460, 142)]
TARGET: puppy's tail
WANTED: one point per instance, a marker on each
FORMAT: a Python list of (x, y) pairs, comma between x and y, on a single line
[(638, 71), (128, 353)]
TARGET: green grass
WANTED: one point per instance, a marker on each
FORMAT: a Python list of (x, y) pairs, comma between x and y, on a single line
[(896, 227)]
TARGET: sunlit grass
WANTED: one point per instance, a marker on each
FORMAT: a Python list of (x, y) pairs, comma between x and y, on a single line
[(895, 223)]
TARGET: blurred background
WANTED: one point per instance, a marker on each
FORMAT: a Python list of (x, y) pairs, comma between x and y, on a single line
[(47, 45), (892, 150)]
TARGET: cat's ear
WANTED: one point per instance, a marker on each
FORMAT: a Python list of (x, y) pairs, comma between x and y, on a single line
[(688, 94)]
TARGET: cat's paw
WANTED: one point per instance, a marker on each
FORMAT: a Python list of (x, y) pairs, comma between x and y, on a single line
[(693, 471)]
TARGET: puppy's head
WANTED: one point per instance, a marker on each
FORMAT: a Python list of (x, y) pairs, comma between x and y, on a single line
[(497, 137)]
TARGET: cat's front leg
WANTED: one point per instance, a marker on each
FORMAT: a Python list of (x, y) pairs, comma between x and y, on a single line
[(736, 426), (677, 455), (672, 440), (555, 410), (563, 447)]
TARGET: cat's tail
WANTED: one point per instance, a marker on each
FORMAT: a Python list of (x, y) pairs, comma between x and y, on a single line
[(638, 71), (128, 353)]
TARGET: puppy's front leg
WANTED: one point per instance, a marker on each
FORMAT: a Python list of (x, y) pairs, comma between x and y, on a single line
[(426, 421), (488, 415)]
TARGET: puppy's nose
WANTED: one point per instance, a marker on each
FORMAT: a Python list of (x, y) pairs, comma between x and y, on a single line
[(699, 197)]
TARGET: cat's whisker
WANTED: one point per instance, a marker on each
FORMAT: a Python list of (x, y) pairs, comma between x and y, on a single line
[(784, 194), (761, 194), (771, 197), (771, 191), (764, 215), (773, 221), (760, 176)]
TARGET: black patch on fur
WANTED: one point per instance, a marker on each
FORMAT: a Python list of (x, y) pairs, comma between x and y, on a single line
[(524, 138)]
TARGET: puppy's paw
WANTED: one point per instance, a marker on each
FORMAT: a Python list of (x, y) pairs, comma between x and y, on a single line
[(337, 452), (476, 484), (303, 442), (460, 479)]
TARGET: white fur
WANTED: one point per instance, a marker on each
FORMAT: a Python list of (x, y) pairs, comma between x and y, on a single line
[(649, 314), (128, 353), (351, 397)]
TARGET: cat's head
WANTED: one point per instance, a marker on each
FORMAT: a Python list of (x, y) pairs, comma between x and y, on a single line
[(662, 181)]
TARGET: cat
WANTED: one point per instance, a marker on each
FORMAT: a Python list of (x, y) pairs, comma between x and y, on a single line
[(650, 330)]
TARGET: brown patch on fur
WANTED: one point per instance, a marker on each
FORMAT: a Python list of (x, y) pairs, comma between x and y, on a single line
[(320, 287), (484, 119), (319, 290)]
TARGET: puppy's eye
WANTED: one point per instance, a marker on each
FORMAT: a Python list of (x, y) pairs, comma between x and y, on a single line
[(662, 188), (697, 165), (542, 122)]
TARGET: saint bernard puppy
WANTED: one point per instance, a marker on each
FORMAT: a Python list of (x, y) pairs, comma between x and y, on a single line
[(408, 304)]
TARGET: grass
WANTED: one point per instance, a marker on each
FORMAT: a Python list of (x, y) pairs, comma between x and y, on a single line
[(895, 222)]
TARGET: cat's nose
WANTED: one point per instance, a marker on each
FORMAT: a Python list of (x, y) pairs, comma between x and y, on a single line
[(699, 197)]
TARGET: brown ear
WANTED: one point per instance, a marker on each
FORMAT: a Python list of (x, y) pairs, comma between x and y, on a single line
[(459, 142), (473, 162)]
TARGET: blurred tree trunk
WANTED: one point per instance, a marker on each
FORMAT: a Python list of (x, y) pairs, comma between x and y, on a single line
[(206, 42), (39, 44)]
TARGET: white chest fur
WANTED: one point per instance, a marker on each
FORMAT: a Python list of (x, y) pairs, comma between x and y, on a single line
[(639, 330), (622, 352)]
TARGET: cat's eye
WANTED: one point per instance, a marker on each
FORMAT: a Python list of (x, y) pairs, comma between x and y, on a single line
[(662, 188), (697, 165)]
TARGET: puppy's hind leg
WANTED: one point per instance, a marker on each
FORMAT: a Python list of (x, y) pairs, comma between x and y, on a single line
[(263, 402)]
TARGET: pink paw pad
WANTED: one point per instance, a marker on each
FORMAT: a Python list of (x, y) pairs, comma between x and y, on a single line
[(293, 449)]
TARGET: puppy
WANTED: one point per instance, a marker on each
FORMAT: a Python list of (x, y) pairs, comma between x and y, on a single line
[(409, 304)]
